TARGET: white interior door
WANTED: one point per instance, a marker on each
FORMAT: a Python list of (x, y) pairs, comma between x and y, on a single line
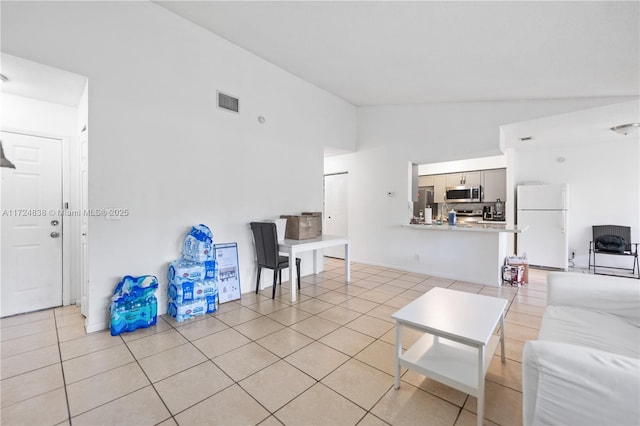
[(335, 221), (31, 224)]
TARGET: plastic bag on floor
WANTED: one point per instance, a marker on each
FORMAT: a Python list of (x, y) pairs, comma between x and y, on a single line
[(198, 244)]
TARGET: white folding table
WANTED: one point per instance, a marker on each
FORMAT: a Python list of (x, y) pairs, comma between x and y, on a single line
[(293, 247)]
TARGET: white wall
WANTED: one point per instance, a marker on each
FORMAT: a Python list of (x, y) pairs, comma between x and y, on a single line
[(42, 118), (600, 166), (483, 163), (35, 117), (391, 136), (160, 147), (603, 186)]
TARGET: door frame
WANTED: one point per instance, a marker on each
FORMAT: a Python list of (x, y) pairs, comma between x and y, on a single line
[(67, 228)]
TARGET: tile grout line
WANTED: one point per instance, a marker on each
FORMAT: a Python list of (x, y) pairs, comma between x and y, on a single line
[(150, 383), (64, 378)]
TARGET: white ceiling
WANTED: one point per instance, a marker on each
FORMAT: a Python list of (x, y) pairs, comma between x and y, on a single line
[(42, 82), (587, 126), (397, 52)]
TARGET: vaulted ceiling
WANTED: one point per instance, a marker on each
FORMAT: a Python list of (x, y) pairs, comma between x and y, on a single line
[(400, 52), (397, 52)]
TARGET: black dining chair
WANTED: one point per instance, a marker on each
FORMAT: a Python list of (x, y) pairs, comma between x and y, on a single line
[(265, 237)]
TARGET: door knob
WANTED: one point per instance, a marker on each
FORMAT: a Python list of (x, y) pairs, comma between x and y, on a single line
[(55, 235)]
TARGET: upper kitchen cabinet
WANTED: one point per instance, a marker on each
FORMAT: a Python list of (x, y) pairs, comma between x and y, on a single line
[(464, 178), (439, 188), (494, 185), (427, 180)]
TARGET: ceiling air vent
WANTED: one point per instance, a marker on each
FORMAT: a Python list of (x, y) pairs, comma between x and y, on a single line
[(228, 102)]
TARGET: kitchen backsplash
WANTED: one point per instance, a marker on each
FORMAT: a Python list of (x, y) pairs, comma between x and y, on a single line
[(458, 206)]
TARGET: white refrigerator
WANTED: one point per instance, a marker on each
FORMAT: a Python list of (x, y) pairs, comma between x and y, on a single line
[(544, 209)]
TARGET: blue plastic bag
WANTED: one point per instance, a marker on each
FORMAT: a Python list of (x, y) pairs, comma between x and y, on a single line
[(198, 244)]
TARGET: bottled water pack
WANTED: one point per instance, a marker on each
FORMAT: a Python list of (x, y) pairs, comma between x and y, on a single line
[(198, 244), (134, 304), (187, 291), (129, 316), (182, 270), (183, 311), (193, 287)]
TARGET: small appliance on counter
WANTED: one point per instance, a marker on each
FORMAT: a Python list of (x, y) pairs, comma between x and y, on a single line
[(493, 214), (499, 213), (487, 213)]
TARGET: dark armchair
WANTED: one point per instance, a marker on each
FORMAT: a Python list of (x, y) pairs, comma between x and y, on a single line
[(613, 240)]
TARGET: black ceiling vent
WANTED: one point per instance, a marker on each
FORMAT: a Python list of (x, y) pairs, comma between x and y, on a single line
[(228, 102)]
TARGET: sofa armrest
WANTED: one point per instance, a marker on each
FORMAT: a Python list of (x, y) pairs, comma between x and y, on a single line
[(615, 295), (565, 384)]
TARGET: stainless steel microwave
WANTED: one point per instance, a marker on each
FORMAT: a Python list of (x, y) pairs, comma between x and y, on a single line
[(463, 194)]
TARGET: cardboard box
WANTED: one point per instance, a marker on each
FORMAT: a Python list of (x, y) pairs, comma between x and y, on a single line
[(302, 227), (319, 216)]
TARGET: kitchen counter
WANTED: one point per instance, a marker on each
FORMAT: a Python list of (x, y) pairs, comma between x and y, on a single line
[(473, 253), (480, 227)]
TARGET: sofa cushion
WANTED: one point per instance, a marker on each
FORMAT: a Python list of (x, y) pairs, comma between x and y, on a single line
[(598, 330), (564, 384)]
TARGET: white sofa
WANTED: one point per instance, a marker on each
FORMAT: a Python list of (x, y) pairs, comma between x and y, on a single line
[(584, 369)]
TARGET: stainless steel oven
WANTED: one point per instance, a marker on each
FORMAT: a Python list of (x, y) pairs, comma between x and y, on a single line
[(468, 217), (463, 194)]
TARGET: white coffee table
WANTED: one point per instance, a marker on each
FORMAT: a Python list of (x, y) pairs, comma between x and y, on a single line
[(459, 343)]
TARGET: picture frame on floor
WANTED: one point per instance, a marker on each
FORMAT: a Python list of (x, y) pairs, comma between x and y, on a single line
[(227, 272)]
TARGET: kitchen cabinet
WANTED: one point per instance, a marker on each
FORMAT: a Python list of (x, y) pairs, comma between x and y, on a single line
[(439, 188), (464, 178), (493, 181), (427, 180), (494, 185), (439, 184)]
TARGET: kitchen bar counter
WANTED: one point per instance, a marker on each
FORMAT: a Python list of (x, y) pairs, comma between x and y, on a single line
[(485, 227), (472, 253)]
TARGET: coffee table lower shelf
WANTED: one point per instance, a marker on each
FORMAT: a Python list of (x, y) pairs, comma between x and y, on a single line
[(451, 363)]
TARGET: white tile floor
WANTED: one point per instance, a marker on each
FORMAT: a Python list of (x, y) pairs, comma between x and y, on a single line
[(327, 359)]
